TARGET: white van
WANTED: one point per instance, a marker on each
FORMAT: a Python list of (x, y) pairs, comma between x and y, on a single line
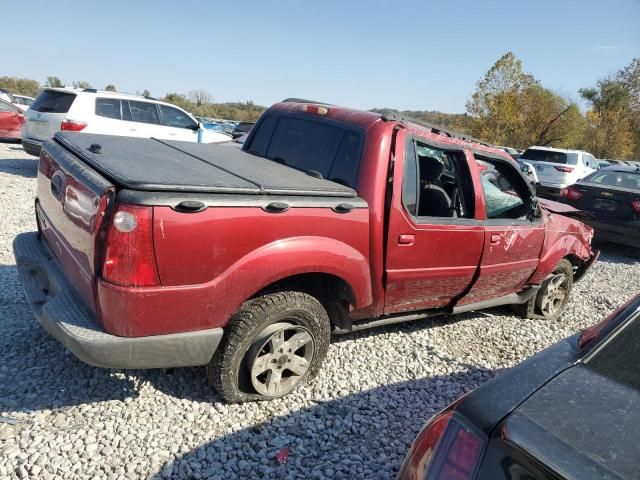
[(92, 111), (558, 168)]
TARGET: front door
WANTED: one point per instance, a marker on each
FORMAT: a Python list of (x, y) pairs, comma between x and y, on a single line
[(513, 241), (434, 245)]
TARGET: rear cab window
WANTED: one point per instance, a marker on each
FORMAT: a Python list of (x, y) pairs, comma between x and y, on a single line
[(549, 156), (333, 150), (53, 101)]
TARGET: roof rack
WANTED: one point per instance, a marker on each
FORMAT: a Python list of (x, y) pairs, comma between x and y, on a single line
[(434, 128)]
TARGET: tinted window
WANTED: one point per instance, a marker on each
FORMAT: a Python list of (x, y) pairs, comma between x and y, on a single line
[(172, 117), (108, 107), (51, 101), (332, 151), (615, 179), (144, 112), (263, 134), (545, 156)]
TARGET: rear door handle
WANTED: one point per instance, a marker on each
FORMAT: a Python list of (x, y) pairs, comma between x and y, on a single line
[(406, 239), (496, 238)]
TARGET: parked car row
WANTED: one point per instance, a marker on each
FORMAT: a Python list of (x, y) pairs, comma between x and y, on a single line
[(21, 101)]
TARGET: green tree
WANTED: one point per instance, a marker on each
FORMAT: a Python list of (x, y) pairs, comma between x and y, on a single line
[(20, 86), (610, 119), (81, 84), (510, 107), (110, 88), (53, 82), (629, 76)]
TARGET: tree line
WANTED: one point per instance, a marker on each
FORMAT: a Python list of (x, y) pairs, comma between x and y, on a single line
[(509, 107)]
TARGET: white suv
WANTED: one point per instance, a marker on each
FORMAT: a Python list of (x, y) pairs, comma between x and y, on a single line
[(557, 168), (110, 113)]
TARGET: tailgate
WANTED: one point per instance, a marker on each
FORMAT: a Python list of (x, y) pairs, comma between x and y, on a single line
[(71, 203)]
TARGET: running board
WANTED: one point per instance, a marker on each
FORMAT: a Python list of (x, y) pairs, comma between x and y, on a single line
[(513, 298), (390, 320)]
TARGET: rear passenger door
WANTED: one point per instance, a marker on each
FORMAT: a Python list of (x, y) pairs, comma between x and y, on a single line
[(141, 119), (434, 245)]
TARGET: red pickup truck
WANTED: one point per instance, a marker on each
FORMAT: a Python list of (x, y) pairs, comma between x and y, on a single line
[(154, 253)]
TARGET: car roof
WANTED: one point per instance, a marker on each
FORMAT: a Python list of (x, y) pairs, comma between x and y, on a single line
[(365, 119), (551, 149)]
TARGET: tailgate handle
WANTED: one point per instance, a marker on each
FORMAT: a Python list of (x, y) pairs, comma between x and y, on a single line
[(190, 206), (56, 184)]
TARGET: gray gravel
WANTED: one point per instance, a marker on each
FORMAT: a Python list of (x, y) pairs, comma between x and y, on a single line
[(355, 421)]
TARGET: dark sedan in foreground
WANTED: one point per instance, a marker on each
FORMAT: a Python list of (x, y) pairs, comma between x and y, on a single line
[(570, 412), (612, 196)]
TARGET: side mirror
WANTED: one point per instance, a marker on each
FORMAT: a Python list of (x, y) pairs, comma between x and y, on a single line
[(195, 127)]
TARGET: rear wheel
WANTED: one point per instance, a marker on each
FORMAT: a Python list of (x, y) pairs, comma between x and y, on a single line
[(552, 297), (274, 344)]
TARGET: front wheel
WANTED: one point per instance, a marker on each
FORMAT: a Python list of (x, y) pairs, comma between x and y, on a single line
[(553, 295), (271, 346)]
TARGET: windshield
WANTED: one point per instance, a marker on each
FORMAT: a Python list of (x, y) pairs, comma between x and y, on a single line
[(332, 151), (548, 156)]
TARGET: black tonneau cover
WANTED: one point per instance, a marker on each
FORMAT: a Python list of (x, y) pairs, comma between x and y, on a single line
[(149, 164)]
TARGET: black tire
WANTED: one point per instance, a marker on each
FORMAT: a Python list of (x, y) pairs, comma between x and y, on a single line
[(246, 336), (535, 307)]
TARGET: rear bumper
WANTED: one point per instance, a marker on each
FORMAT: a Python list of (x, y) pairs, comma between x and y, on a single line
[(63, 315), (622, 234), (31, 146)]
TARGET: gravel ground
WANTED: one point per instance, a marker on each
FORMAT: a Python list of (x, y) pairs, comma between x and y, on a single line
[(355, 421)]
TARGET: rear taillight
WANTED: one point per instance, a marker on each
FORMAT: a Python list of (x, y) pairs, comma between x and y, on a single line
[(564, 169), (72, 125), (129, 258), (571, 193), (636, 205), (446, 449)]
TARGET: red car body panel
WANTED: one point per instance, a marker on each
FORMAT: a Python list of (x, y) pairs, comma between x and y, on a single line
[(210, 262), (11, 122)]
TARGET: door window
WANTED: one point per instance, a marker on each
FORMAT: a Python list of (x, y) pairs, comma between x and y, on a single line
[(109, 108), (436, 182), (172, 117), (144, 112), (505, 193)]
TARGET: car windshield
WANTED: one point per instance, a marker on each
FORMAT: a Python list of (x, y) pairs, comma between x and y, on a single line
[(548, 156), (332, 151), (615, 179)]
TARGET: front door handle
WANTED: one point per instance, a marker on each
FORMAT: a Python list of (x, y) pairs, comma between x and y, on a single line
[(406, 239), (495, 238)]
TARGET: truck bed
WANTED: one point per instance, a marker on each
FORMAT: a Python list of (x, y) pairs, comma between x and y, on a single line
[(161, 166)]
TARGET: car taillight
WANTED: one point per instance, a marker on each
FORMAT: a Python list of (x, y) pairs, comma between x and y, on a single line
[(317, 109), (636, 205), (72, 125), (446, 449), (564, 169), (129, 258), (571, 193)]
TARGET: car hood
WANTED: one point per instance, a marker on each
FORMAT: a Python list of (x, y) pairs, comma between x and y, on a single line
[(564, 209)]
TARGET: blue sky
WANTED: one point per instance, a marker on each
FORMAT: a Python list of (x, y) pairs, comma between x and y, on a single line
[(406, 55)]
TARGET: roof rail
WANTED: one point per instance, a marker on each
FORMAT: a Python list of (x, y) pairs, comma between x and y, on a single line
[(302, 100), (434, 128), (149, 97), (90, 90)]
